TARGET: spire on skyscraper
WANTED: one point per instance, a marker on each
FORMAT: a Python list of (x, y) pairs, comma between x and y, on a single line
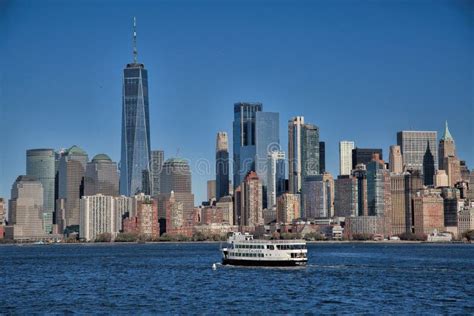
[(135, 52), (447, 134)]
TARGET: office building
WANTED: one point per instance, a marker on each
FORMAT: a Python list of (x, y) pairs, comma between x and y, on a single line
[(288, 208), (226, 206), (378, 188), (396, 159), (428, 212), (157, 160), (318, 196), (446, 147), (276, 177), (25, 209), (144, 221), (346, 196), (135, 154), (364, 155), (211, 190), (452, 166), (303, 152), (71, 173), (244, 140), (414, 146), (222, 165), (441, 179), (360, 173), (345, 157), (40, 165), (249, 201), (322, 157), (101, 176)]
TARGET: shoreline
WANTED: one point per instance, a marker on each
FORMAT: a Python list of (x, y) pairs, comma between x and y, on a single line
[(390, 242)]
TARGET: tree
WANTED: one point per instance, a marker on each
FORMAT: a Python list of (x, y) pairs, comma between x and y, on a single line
[(469, 235)]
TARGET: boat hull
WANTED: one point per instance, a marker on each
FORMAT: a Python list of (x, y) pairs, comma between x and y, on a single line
[(264, 263)]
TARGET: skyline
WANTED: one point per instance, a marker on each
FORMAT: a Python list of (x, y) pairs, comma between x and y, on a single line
[(56, 130)]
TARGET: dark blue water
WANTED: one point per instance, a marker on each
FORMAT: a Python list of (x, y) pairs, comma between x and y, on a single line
[(177, 278)]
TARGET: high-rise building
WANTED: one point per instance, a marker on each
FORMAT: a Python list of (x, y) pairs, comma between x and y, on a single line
[(276, 177), (452, 167), (157, 160), (226, 206), (26, 214), (40, 165), (318, 196), (429, 168), (244, 139), (144, 220), (101, 176), (346, 196), (447, 147), (364, 155), (71, 173), (378, 188), (288, 208), (395, 159), (303, 152), (401, 201), (211, 190), (96, 217), (441, 179), (3, 214), (360, 173), (322, 157), (135, 155), (249, 201), (345, 157), (176, 178), (471, 186), (414, 145), (222, 165), (428, 212), (464, 171)]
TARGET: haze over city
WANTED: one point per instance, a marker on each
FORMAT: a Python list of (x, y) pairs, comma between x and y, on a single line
[(359, 70)]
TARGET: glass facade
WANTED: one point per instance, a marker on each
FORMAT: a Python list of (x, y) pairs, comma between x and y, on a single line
[(222, 165), (135, 155), (244, 139), (40, 164), (413, 145), (157, 160)]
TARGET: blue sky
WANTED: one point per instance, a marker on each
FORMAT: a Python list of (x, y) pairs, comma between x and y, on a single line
[(360, 70)]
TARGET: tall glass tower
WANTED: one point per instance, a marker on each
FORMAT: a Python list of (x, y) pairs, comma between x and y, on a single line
[(135, 157)]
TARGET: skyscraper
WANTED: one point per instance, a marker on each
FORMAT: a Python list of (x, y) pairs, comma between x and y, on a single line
[(322, 157), (244, 143), (256, 134), (101, 176), (360, 173), (157, 160), (303, 152), (428, 166), (72, 167), (345, 196), (395, 159), (40, 165), (250, 212), (26, 209), (345, 157), (176, 178), (211, 190), (288, 208), (135, 155), (447, 147), (222, 165), (364, 155), (318, 196), (413, 145), (276, 177), (378, 188)]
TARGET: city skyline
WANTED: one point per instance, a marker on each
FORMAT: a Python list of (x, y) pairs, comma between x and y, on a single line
[(60, 135)]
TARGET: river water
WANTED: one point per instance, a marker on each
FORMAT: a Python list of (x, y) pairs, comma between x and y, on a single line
[(176, 278)]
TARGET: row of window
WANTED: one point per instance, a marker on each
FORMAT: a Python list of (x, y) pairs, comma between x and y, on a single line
[(238, 254), (271, 247)]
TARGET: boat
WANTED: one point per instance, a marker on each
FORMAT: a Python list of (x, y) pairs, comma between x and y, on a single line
[(242, 249)]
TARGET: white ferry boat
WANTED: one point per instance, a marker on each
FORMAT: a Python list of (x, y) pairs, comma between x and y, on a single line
[(242, 249)]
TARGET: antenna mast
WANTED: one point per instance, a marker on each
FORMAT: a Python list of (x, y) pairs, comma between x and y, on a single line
[(135, 53)]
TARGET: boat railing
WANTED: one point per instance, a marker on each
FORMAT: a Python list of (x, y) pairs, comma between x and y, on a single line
[(271, 241)]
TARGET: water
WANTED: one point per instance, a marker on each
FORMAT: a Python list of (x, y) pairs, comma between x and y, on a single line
[(178, 278)]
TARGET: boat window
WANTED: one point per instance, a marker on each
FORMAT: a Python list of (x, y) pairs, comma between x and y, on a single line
[(270, 247), (278, 247)]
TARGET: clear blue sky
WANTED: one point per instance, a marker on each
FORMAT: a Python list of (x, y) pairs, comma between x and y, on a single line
[(361, 70)]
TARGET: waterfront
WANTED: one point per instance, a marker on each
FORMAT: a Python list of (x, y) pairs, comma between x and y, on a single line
[(177, 278)]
